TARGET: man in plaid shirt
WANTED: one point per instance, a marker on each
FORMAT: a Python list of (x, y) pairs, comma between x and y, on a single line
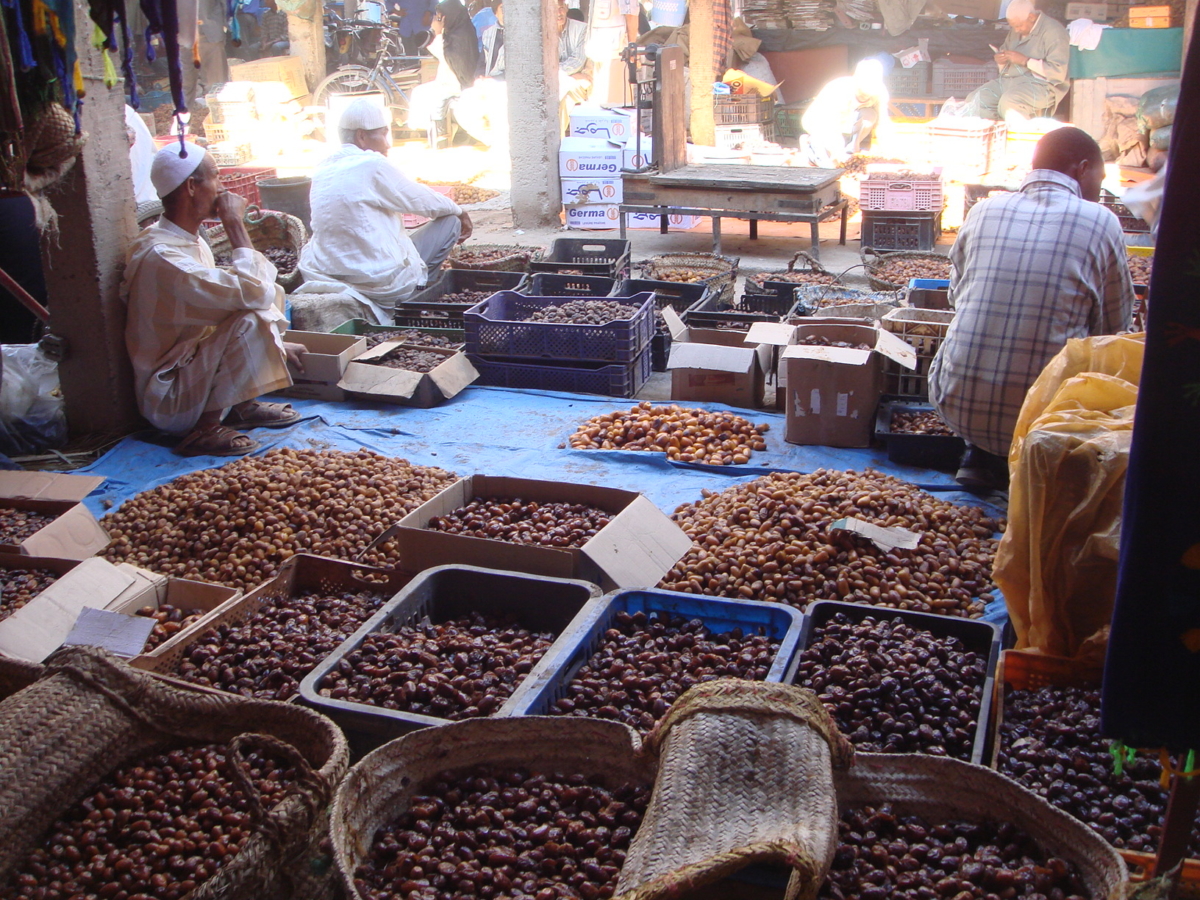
[(1029, 271)]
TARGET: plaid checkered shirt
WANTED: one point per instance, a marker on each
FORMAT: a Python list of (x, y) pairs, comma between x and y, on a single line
[(1029, 271)]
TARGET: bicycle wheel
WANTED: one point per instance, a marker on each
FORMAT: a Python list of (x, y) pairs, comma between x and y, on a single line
[(361, 80)]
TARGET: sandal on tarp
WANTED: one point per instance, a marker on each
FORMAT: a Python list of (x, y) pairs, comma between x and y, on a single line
[(218, 441), (263, 415)]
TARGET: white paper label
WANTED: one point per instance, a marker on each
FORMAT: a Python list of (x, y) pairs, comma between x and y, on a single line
[(884, 538), (843, 403), (118, 633), (814, 401)]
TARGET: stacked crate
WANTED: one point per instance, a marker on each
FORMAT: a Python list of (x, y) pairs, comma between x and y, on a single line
[(901, 210), (742, 119)]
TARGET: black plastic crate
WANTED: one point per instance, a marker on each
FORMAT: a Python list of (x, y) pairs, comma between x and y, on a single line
[(441, 593), (900, 231), (714, 312), (611, 380), (425, 309), (1130, 223), (931, 451), (552, 284), (608, 258), (678, 295), (743, 109), (499, 326), (982, 638), (660, 351), (549, 681)]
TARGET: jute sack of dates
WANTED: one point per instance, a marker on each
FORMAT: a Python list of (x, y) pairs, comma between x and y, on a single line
[(89, 713)]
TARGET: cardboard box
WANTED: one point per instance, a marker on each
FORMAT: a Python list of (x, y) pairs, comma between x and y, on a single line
[(635, 549), (287, 69), (592, 190), (598, 123), (324, 364), (708, 364), (151, 589), (74, 533), (585, 158), (832, 392), (593, 217), (405, 388), (1149, 17), (631, 158), (648, 221), (1097, 12)]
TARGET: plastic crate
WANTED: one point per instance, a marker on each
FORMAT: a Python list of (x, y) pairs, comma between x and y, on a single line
[(499, 326), (731, 137), (678, 295), (931, 451), (924, 330), (787, 121), (426, 309), (1129, 222), (243, 180), (717, 273), (715, 312), (551, 284), (660, 350), (977, 636), (615, 380), (900, 231), (951, 79), (929, 293), (914, 108), (779, 622), (439, 594), (973, 193), (608, 258), (229, 153), (967, 148), (914, 82), (362, 326), (881, 193), (743, 109)]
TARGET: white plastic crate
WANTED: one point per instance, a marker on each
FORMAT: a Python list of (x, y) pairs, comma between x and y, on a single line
[(733, 137), (881, 190)]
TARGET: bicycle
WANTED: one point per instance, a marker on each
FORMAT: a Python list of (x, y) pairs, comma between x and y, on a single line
[(392, 73)]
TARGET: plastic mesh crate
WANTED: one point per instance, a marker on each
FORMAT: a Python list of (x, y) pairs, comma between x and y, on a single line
[(965, 149), (914, 82), (608, 258), (924, 330), (732, 137), (613, 380), (427, 309), (363, 327), (921, 108), (1129, 222), (951, 79), (787, 121), (243, 180), (229, 153), (715, 312), (551, 284), (743, 109), (931, 451), (499, 326), (679, 296), (900, 231), (880, 192)]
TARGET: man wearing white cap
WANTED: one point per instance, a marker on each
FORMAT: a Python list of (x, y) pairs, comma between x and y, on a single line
[(1033, 68), (846, 112), (205, 342), (359, 201)]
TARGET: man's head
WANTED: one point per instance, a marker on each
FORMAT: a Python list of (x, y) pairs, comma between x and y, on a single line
[(1072, 152), (367, 126), (560, 10), (1022, 15), (187, 183)]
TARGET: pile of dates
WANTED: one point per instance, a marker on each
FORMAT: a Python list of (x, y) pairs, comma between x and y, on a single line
[(501, 832), (237, 524), (584, 312), (1050, 742), (792, 277), (476, 257), (817, 340), (882, 855), (771, 539), (268, 655), (561, 525), (919, 422), (168, 621), (412, 336), (284, 259), (690, 435), (458, 669), (410, 360), (893, 688), (19, 586), (471, 297), (152, 830), (645, 662), (1140, 268), (18, 524), (900, 271)]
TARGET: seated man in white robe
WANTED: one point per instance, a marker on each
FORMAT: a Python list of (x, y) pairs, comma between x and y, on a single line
[(205, 342)]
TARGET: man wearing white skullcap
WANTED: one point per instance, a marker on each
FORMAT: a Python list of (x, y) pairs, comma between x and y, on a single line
[(847, 112), (359, 200), (205, 342), (1033, 68)]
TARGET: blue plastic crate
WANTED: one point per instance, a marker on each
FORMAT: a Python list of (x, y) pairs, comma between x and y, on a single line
[(607, 257), (549, 680), (499, 326), (678, 295), (610, 379), (552, 284)]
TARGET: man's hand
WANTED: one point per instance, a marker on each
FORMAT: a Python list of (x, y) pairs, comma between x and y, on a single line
[(467, 228), (1011, 56), (230, 209), (293, 351)]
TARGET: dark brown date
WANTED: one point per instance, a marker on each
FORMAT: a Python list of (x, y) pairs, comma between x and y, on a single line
[(525, 522)]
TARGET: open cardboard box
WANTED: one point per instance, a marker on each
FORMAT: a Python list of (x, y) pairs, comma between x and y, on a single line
[(324, 363), (38, 628), (370, 381), (74, 533), (635, 549), (832, 392), (708, 364)]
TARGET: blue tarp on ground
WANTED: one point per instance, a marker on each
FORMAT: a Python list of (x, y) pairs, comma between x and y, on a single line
[(498, 431)]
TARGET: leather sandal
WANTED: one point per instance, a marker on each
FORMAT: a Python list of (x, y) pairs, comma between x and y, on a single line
[(263, 415), (217, 441)]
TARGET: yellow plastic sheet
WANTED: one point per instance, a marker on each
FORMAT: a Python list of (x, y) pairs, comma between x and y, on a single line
[(1057, 562)]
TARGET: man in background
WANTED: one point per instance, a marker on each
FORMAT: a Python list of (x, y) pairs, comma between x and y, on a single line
[(1033, 68)]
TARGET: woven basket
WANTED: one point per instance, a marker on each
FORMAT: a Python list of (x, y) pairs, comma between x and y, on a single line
[(874, 265), (745, 776), (268, 230), (517, 260), (810, 266), (379, 788), (89, 714), (16, 674), (940, 789), (718, 272)]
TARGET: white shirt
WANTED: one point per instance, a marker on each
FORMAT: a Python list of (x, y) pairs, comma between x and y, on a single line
[(358, 202)]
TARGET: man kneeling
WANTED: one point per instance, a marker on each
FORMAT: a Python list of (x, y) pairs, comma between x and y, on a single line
[(204, 341)]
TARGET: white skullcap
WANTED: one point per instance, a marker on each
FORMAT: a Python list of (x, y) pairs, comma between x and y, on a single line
[(171, 167), (1019, 10), (870, 71), (365, 115)]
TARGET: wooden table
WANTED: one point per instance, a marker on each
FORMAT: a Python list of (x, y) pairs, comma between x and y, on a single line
[(770, 193)]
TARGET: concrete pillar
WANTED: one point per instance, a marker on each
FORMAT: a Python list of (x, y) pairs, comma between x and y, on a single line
[(83, 266), (703, 71), (531, 73), (307, 37)]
